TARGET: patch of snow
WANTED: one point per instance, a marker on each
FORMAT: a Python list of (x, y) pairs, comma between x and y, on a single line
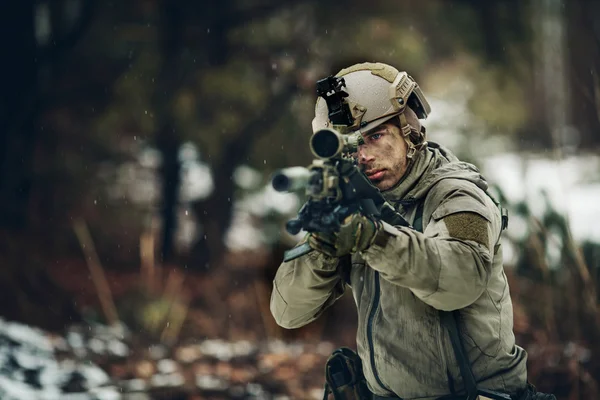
[(247, 178), (55, 375), (569, 184), (159, 380), (118, 348), (209, 382), (188, 152), (33, 338), (166, 366), (243, 234), (93, 375), (149, 157), (196, 181), (269, 200), (97, 346), (106, 393), (14, 390), (584, 212)]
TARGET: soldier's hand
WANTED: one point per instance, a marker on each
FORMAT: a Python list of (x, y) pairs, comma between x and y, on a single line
[(323, 243), (356, 233)]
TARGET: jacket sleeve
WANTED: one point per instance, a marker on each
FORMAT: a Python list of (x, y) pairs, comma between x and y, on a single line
[(448, 266), (303, 288)]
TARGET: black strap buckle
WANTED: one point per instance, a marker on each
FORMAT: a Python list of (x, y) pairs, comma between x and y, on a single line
[(504, 213)]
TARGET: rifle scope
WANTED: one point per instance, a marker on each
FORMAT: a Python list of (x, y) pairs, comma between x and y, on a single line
[(328, 143)]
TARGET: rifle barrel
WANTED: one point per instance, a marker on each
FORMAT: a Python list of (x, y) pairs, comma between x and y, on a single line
[(290, 179)]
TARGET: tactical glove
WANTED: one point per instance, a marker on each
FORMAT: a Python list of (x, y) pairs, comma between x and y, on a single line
[(323, 243), (356, 234)]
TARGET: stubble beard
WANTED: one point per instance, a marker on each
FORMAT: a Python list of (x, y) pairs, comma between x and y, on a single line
[(398, 170)]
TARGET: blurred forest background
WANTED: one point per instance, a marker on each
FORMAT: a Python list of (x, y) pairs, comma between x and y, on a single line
[(137, 139)]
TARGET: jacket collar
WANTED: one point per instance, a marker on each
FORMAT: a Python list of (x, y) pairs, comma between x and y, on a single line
[(429, 166), (421, 163)]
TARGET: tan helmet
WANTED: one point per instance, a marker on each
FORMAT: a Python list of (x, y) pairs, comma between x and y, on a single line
[(376, 92)]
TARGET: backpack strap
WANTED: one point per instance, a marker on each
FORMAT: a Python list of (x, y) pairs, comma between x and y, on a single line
[(418, 221), (448, 320), (345, 268), (503, 211)]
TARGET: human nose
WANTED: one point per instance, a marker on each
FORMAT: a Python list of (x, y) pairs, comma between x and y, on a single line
[(363, 155)]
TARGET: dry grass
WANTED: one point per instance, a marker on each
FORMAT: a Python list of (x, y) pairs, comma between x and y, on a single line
[(556, 315)]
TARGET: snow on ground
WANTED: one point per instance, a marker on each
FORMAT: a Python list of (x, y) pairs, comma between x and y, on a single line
[(572, 185), (36, 365), (29, 369)]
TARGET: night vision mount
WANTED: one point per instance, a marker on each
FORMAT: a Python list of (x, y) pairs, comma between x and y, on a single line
[(330, 89)]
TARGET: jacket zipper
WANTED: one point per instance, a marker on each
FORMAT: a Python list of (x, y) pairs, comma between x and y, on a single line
[(374, 307)]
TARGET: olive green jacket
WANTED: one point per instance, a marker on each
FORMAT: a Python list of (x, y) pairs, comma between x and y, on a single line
[(400, 285)]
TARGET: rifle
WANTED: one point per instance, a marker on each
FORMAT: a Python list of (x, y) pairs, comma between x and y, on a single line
[(335, 187)]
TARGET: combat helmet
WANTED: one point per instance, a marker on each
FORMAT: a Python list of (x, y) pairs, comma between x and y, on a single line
[(375, 93)]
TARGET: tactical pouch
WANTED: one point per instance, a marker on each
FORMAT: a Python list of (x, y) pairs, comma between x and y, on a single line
[(531, 393), (344, 377)]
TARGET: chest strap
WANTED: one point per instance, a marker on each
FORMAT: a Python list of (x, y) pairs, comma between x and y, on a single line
[(449, 320)]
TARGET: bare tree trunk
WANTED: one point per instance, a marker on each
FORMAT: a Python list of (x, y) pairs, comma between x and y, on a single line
[(584, 56), (18, 110), (168, 139), (488, 18), (27, 290), (551, 71)]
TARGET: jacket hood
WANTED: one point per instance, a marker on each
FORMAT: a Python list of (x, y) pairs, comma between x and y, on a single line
[(430, 166)]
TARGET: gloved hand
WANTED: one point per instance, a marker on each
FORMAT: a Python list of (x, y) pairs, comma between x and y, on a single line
[(356, 233), (323, 243)]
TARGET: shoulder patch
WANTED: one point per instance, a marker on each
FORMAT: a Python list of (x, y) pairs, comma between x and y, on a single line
[(468, 226)]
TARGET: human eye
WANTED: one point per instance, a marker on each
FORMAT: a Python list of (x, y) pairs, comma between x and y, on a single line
[(375, 136)]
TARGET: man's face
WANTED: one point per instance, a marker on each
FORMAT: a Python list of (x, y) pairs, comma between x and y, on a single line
[(383, 156)]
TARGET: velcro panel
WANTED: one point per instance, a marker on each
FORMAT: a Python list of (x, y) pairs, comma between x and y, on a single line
[(468, 226)]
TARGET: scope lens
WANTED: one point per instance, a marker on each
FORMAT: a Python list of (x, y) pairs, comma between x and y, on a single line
[(325, 143), (280, 182)]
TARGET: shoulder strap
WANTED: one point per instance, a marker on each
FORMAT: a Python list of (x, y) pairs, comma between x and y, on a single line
[(345, 268), (503, 211), (418, 221), (448, 320)]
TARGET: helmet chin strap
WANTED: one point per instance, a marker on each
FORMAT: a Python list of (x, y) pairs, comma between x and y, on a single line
[(407, 129)]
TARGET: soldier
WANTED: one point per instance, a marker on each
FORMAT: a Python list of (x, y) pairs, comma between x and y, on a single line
[(401, 278)]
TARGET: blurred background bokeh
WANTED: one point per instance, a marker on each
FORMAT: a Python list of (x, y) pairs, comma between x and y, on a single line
[(139, 234)]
